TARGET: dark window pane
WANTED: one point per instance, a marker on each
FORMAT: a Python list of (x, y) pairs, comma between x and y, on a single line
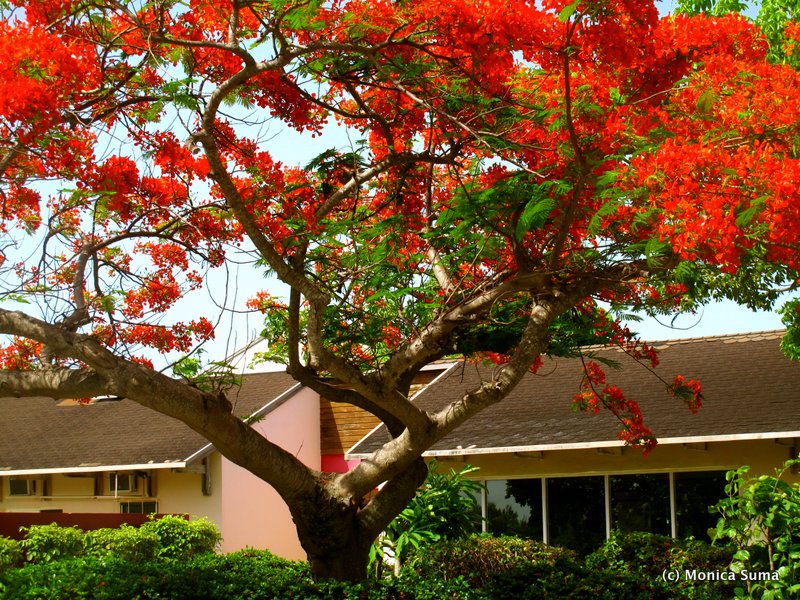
[(694, 493), (20, 487), (139, 508), (515, 507), (576, 511), (640, 503)]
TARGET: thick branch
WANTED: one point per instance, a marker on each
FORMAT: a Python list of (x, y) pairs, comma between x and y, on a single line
[(52, 383)]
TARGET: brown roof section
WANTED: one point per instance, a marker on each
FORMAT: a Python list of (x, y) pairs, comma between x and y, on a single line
[(750, 387), (39, 433)]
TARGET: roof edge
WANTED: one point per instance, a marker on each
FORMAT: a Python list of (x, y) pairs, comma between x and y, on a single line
[(696, 439), (178, 464)]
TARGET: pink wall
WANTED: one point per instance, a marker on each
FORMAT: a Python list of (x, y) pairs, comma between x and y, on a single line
[(253, 515)]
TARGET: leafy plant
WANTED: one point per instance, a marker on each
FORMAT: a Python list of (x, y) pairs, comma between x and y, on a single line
[(46, 543), (761, 517), (180, 538), (478, 557), (10, 553), (445, 507), (646, 556), (132, 544)]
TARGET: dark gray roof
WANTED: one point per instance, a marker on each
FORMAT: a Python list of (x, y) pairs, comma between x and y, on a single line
[(42, 433), (751, 390)]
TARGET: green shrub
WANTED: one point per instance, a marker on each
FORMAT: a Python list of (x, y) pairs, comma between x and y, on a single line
[(645, 557), (10, 553), (46, 543), (132, 544), (761, 518), (182, 539), (255, 575), (444, 507), (478, 557), (569, 578)]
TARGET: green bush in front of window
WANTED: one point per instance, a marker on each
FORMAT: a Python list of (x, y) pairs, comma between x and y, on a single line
[(445, 507), (647, 556), (761, 518), (478, 557)]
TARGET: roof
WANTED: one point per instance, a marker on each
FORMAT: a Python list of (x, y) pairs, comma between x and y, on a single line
[(42, 435), (751, 391)]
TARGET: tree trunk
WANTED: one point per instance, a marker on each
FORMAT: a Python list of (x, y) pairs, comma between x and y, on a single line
[(346, 563), (333, 529), (330, 533)]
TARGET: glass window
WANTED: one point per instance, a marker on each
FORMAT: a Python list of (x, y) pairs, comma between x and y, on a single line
[(576, 512), (139, 508), (515, 507), (694, 493), (21, 487), (640, 503)]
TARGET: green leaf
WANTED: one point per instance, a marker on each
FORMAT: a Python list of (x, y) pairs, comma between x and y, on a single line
[(535, 215), (568, 11), (706, 101)]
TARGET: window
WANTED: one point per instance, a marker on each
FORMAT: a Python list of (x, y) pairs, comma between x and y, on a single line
[(122, 482), (580, 512), (21, 487), (515, 507), (138, 508), (640, 503), (576, 512), (694, 493)]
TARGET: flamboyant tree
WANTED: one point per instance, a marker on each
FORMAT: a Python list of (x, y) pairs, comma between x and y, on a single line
[(514, 166)]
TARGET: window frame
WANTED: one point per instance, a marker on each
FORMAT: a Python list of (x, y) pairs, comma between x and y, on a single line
[(673, 507)]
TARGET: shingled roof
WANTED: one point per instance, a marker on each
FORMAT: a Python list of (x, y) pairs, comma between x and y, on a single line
[(42, 435), (751, 389)]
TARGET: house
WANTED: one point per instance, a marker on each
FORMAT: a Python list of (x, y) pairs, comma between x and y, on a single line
[(84, 463), (563, 476), (550, 473)]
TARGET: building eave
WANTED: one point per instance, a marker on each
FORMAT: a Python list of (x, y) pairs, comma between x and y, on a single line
[(697, 439), (178, 464)]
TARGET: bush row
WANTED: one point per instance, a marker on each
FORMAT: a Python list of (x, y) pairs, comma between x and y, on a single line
[(476, 568), (169, 537)]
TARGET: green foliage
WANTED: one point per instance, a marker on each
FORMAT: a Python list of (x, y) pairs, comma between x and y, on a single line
[(474, 568), (209, 377), (478, 557), (647, 556), (168, 537), (761, 518), (181, 539), (10, 553), (248, 574), (790, 315), (444, 507), (565, 578), (46, 543), (128, 543)]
